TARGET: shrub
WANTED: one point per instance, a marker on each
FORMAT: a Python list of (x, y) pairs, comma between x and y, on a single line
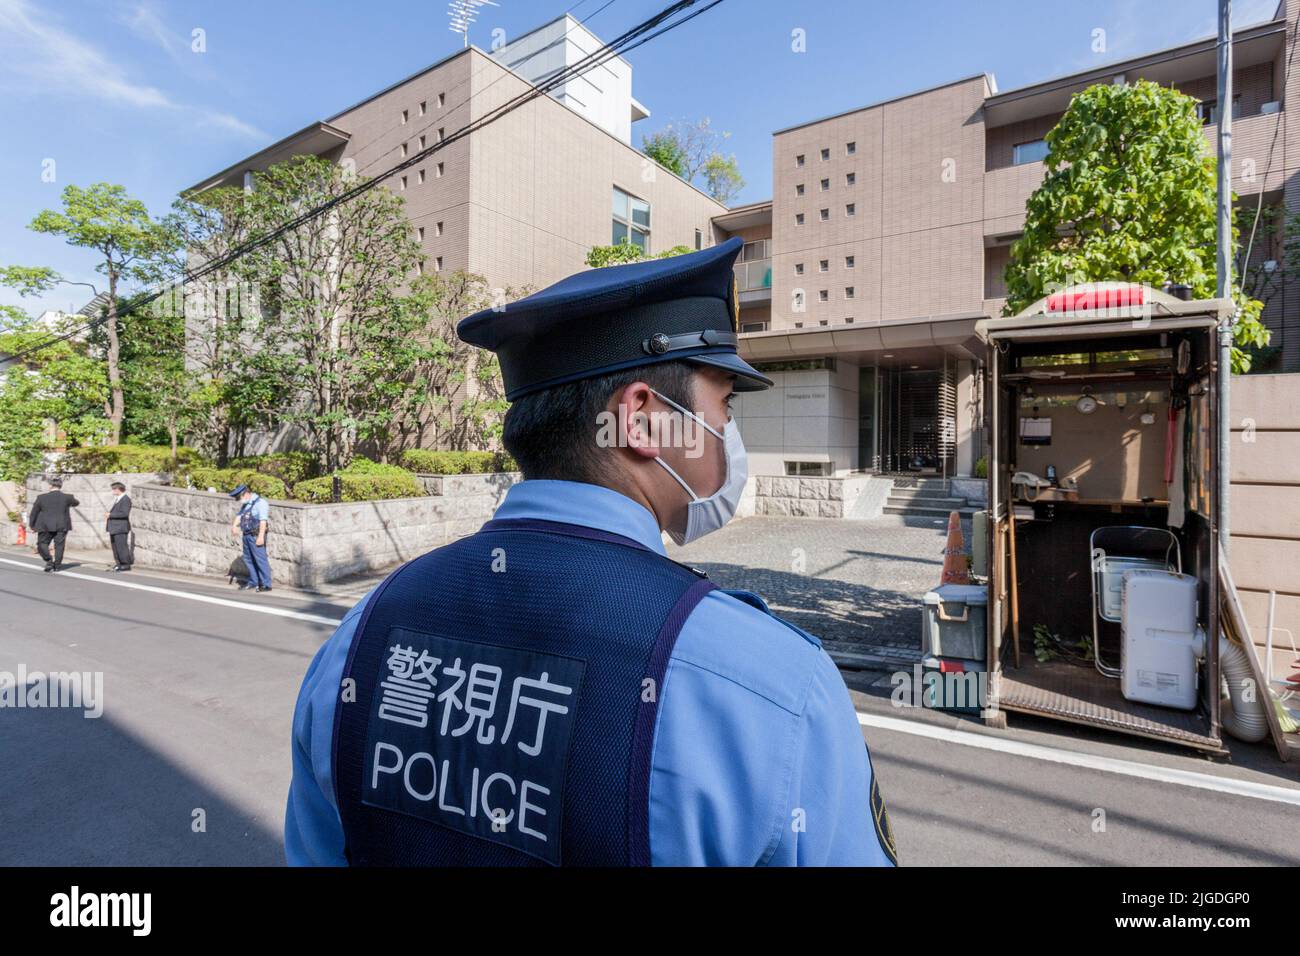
[(364, 466), (107, 459), (227, 479), (982, 468), (290, 467), (427, 462), (359, 486)]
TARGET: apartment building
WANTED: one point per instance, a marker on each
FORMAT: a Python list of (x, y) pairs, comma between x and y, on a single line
[(888, 232), (523, 200)]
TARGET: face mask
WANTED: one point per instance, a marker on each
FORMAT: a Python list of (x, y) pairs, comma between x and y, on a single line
[(709, 514)]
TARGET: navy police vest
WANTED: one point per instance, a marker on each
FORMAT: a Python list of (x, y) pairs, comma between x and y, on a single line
[(506, 690)]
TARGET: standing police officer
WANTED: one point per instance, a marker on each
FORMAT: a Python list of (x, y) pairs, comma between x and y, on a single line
[(251, 521), (554, 689)]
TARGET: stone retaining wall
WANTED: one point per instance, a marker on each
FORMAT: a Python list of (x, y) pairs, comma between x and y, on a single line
[(95, 494), (309, 544), (808, 497)]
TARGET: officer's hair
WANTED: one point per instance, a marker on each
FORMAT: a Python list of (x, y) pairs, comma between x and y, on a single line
[(552, 433)]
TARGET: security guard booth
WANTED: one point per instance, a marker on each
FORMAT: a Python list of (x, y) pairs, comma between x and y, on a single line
[(1103, 458)]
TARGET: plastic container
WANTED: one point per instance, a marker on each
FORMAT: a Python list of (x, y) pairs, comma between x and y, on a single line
[(1160, 642), (954, 623)]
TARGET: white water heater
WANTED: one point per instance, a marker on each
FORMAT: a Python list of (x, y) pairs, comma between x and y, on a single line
[(1160, 640)]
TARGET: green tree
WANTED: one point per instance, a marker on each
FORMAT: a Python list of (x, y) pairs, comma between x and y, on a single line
[(666, 150), (694, 152), (600, 256), (130, 246), (51, 393), (331, 308), (1129, 195)]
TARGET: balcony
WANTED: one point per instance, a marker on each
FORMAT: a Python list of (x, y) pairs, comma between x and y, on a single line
[(754, 272)]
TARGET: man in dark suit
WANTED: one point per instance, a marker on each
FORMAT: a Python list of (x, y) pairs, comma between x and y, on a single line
[(51, 519), (119, 527)]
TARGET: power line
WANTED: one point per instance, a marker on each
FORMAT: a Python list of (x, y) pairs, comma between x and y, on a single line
[(629, 40)]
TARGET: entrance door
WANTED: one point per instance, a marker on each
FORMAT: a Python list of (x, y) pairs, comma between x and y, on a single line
[(914, 420)]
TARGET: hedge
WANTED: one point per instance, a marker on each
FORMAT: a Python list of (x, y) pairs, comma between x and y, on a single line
[(364, 466), (108, 459), (290, 467), (426, 462), (358, 486), (227, 479)]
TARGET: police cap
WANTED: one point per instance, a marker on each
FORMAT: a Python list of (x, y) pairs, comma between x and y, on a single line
[(681, 308)]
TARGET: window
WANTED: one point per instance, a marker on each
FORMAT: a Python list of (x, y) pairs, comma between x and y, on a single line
[(825, 215), (631, 220), (419, 234), (437, 229), (423, 105), (419, 267), (848, 292), (823, 265), (798, 160), (798, 298), (1208, 110), (403, 182), (826, 154), (798, 190), (437, 264), (824, 322), (826, 184), (442, 98), (438, 174), (850, 179), (798, 325), (1031, 152), (851, 209), (849, 262), (404, 117), (798, 219), (699, 239), (421, 143), (823, 295), (848, 320), (798, 268), (419, 177), (403, 150), (754, 327), (850, 148)]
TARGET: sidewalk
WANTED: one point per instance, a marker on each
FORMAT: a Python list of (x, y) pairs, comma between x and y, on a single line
[(342, 593)]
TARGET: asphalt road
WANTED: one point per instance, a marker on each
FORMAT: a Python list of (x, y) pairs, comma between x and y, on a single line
[(198, 698)]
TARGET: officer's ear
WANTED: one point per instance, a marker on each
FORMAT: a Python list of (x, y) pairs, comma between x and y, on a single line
[(634, 419)]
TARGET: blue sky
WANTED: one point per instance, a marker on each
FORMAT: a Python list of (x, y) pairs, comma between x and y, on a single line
[(113, 90)]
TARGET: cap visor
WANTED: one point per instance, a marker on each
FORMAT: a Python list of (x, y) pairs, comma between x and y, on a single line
[(748, 379)]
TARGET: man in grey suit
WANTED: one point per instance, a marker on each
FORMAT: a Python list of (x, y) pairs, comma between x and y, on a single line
[(51, 519), (119, 527)]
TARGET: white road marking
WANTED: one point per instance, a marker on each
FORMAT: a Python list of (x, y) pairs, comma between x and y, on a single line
[(1128, 768), (206, 599)]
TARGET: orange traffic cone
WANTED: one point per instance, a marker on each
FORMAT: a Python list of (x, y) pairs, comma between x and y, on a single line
[(956, 570), (22, 533)]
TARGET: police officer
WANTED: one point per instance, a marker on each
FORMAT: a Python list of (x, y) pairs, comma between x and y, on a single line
[(250, 522), (554, 689)]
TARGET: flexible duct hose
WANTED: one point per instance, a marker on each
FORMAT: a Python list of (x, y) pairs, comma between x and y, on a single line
[(1242, 718)]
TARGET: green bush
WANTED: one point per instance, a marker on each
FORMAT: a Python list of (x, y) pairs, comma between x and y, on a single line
[(982, 468), (364, 466), (359, 487), (426, 462), (107, 459), (290, 467), (227, 479)]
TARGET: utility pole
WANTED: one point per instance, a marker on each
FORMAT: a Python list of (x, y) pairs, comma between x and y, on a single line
[(1223, 285)]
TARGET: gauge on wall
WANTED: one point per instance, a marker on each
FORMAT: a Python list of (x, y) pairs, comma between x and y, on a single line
[(1087, 404)]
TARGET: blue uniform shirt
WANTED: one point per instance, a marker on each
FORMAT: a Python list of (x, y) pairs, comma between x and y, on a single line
[(258, 506), (758, 755)]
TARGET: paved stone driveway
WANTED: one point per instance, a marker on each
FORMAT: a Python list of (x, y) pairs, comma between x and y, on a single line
[(857, 585)]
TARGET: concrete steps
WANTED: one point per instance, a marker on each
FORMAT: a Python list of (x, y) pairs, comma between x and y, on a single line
[(926, 497)]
